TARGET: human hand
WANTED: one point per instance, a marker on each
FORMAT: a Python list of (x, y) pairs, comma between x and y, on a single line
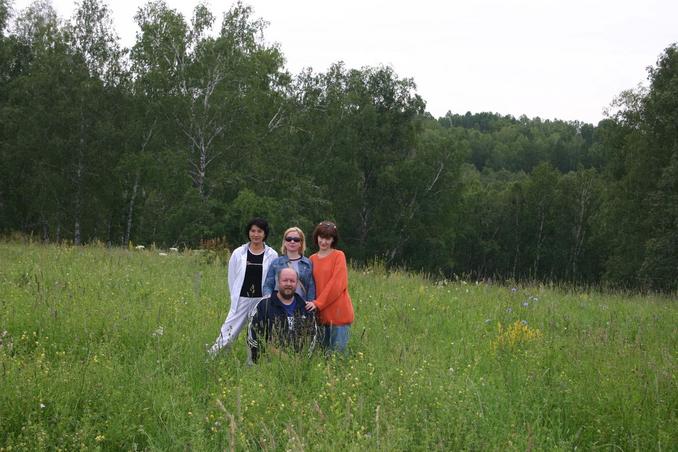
[(310, 306)]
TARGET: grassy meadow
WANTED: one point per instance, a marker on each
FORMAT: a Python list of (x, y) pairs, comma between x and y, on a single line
[(105, 349)]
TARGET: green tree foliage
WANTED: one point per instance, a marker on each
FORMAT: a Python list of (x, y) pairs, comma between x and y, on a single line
[(217, 100), (357, 131), (35, 189), (198, 127), (644, 194), (580, 258), (7, 50), (503, 142), (427, 191)]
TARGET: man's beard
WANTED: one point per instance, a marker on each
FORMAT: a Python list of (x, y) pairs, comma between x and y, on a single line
[(287, 296)]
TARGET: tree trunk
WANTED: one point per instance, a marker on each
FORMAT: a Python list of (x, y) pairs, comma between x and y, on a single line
[(202, 170), (45, 231), (364, 217), (77, 240), (540, 238), (130, 208), (579, 231), (517, 248), (76, 225)]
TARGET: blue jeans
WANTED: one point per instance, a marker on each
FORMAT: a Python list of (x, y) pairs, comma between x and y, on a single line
[(335, 338)]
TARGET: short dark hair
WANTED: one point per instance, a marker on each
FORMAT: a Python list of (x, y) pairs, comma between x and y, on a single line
[(258, 222), (326, 229)]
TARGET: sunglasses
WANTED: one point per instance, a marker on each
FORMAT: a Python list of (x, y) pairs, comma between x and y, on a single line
[(293, 239)]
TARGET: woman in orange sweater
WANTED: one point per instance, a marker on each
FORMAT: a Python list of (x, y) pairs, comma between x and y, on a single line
[(332, 303)]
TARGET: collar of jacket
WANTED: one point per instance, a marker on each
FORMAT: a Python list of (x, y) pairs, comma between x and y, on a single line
[(301, 304)]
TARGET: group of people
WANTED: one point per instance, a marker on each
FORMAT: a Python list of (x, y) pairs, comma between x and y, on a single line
[(289, 301)]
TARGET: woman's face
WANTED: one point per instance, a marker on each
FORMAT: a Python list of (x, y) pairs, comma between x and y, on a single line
[(325, 243), (292, 242), (256, 235)]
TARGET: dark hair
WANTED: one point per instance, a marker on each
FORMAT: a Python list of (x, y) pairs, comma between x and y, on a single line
[(258, 222), (326, 229)]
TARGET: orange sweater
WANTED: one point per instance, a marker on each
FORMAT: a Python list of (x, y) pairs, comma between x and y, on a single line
[(331, 282)]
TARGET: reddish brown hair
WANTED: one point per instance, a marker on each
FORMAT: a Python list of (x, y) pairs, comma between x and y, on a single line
[(326, 229)]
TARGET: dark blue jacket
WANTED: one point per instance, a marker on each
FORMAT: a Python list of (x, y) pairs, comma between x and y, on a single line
[(271, 324)]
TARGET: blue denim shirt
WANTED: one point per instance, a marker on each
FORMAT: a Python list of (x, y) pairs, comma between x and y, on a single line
[(305, 277)]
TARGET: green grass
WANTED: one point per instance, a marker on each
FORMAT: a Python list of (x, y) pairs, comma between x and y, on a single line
[(105, 348)]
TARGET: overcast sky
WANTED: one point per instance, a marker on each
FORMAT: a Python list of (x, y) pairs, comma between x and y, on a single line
[(547, 58)]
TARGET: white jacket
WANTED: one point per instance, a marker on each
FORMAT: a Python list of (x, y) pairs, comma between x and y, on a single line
[(237, 265)]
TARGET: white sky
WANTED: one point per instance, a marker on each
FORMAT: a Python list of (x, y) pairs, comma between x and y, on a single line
[(556, 59)]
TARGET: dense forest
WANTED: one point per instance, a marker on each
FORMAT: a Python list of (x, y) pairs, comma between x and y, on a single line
[(199, 126)]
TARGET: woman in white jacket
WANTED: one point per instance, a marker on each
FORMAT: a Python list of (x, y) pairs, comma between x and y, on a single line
[(246, 275)]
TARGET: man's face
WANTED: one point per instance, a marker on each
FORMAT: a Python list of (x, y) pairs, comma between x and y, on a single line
[(287, 283)]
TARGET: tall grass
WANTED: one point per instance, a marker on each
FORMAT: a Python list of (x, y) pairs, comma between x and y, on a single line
[(105, 349)]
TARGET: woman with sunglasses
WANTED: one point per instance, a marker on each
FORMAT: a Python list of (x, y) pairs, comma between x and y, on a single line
[(293, 247), (333, 303)]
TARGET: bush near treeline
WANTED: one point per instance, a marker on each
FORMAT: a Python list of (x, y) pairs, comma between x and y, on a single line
[(199, 126), (105, 349)]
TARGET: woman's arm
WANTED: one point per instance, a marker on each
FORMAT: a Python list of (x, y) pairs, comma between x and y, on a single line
[(269, 281), (310, 289), (337, 284), (233, 264)]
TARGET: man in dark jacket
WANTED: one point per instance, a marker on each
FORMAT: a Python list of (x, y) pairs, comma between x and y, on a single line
[(282, 320)]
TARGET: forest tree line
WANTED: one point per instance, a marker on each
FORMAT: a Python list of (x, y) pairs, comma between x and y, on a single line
[(199, 127)]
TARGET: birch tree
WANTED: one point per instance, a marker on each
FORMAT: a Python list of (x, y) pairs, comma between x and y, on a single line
[(360, 125), (211, 81), (35, 146), (95, 46)]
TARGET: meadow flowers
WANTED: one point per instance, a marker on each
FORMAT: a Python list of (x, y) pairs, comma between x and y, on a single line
[(515, 335), (6, 341)]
